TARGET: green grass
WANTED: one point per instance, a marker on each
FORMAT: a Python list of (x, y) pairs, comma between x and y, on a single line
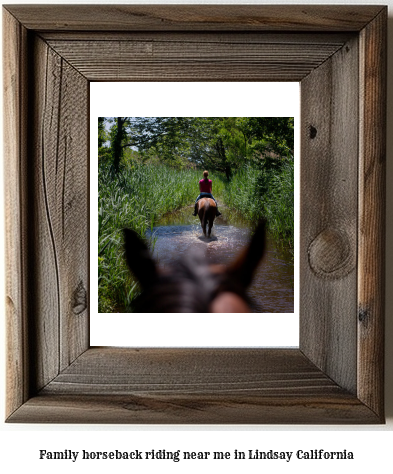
[(135, 198), (266, 191), (141, 193)]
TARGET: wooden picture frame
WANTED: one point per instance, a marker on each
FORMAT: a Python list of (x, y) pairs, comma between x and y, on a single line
[(338, 54)]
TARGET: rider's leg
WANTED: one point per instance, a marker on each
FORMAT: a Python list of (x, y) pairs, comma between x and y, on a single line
[(218, 213)]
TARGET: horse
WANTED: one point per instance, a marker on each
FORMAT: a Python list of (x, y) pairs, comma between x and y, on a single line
[(193, 285), (207, 210)]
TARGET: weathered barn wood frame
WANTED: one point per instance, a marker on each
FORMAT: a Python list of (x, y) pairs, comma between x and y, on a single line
[(338, 54)]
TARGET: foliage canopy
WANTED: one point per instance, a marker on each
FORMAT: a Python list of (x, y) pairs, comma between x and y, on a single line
[(218, 143)]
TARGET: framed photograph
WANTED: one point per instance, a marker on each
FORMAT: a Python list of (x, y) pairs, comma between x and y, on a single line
[(196, 112), (51, 56)]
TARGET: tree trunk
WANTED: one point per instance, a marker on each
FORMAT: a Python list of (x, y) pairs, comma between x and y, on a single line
[(117, 148), (223, 157)]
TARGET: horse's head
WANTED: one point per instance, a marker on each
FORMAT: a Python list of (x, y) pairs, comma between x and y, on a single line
[(192, 285)]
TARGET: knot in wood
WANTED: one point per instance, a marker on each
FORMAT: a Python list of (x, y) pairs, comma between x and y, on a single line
[(79, 299), (364, 316), (331, 254)]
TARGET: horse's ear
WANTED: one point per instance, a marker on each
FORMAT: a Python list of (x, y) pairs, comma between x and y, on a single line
[(139, 259), (243, 268)]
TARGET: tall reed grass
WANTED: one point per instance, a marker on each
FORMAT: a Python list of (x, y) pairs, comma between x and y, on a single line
[(266, 191), (135, 198)]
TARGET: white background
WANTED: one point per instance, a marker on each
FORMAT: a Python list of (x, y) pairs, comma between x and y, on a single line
[(19, 444), (184, 99)]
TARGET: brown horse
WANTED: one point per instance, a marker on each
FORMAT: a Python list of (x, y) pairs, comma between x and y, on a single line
[(192, 285), (207, 210)]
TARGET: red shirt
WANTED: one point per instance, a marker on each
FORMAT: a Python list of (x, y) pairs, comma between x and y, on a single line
[(205, 185)]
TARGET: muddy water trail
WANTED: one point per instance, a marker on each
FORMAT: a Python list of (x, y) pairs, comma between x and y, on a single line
[(272, 287)]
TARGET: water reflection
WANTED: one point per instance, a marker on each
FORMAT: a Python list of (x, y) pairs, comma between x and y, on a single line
[(272, 287)]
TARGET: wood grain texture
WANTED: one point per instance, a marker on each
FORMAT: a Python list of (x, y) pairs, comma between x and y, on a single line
[(201, 37), (189, 59), (329, 173), (52, 375), (46, 212), (195, 17), (371, 261), (240, 409), (56, 207), (67, 198), (14, 67), (208, 371), (193, 386)]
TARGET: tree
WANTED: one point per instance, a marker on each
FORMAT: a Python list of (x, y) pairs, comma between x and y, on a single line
[(104, 151), (271, 135), (117, 144), (101, 132), (218, 143)]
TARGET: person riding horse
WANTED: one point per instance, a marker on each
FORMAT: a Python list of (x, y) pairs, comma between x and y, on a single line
[(205, 189)]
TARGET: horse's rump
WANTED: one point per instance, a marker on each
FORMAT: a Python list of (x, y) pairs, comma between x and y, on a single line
[(208, 206), (207, 209)]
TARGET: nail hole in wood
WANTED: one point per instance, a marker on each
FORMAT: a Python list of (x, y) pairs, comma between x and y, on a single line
[(313, 132)]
